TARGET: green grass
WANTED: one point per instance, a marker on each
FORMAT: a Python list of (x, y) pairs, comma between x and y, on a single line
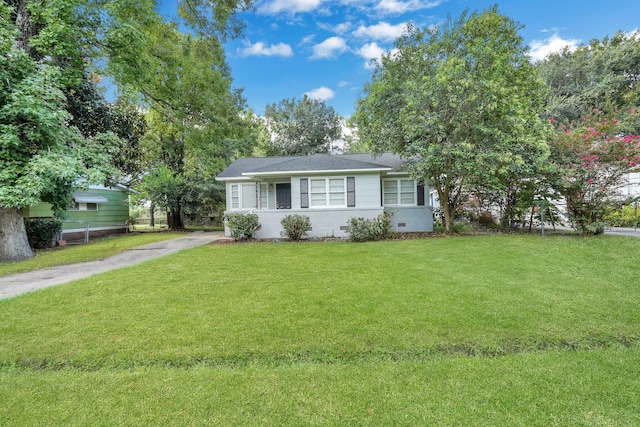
[(92, 251), (489, 330)]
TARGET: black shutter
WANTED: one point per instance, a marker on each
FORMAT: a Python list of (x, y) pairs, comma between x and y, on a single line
[(304, 193), (420, 190), (351, 191)]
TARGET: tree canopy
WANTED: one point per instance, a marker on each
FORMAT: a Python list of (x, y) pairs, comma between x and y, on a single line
[(602, 75), (42, 155), (301, 127), (460, 103)]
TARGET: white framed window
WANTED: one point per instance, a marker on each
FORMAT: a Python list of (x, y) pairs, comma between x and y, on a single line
[(235, 196), (243, 196), (264, 195), (399, 192), (79, 206), (327, 192)]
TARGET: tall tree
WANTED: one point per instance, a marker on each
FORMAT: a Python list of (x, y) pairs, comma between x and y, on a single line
[(42, 156), (47, 51), (603, 74), (196, 120), (460, 104), (302, 127)]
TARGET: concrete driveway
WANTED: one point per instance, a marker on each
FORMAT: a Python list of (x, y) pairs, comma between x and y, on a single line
[(16, 284), (621, 231)]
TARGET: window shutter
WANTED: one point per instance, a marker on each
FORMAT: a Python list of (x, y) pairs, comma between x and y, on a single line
[(420, 191), (351, 191), (304, 192)]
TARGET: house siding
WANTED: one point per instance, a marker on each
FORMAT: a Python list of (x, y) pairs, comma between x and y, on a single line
[(109, 216), (324, 222), (411, 219), (113, 213)]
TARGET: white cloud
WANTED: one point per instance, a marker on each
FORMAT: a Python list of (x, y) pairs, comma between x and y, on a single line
[(372, 52), (634, 34), (330, 48), (342, 28), (540, 49), (400, 7), (381, 31), (343, 83), (321, 94), (288, 6), (260, 49), (306, 40), (338, 29)]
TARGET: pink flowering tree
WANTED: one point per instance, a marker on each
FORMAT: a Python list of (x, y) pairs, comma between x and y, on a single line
[(591, 163)]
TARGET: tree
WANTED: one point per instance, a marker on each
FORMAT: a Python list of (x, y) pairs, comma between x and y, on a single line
[(196, 121), (47, 50), (603, 74), (301, 127), (460, 104), (41, 156), (591, 163)]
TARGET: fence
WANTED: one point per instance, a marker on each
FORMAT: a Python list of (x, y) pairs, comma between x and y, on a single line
[(87, 229)]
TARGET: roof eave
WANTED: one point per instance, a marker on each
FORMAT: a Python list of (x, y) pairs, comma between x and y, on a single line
[(314, 172), (232, 178)]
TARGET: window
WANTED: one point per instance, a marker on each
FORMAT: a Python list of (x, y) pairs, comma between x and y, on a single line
[(79, 206), (243, 196), (327, 192), (264, 195), (235, 196), (399, 192)]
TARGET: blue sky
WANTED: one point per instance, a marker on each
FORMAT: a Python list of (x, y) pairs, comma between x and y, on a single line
[(322, 47)]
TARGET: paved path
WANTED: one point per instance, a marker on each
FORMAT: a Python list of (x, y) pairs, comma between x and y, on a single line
[(16, 284), (621, 231)]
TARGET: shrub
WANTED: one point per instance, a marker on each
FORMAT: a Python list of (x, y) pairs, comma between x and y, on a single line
[(295, 226), (365, 229), (242, 226), (626, 216), (40, 231)]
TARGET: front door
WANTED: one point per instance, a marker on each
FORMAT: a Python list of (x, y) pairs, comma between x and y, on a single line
[(283, 196)]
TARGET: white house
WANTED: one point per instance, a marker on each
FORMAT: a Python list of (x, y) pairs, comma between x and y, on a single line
[(329, 189)]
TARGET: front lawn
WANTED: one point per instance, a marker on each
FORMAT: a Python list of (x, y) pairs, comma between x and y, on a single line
[(481, 330)]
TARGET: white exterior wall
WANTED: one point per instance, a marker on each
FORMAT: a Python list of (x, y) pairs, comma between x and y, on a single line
[(412, 219), (632, 187), (324, 222), (368, 191), (330, 222)]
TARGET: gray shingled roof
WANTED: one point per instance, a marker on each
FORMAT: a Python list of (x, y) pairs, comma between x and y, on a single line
[(315, 162)]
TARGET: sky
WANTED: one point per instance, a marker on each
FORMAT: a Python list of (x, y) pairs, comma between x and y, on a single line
[(323, 48)]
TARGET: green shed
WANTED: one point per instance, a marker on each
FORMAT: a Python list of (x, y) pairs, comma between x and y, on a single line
[(96, 211)]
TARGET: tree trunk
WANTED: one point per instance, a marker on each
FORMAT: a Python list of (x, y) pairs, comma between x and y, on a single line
[(508, 208), (152, 218), (448, 208), (14, 245), (174, 219), (445, 204)]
